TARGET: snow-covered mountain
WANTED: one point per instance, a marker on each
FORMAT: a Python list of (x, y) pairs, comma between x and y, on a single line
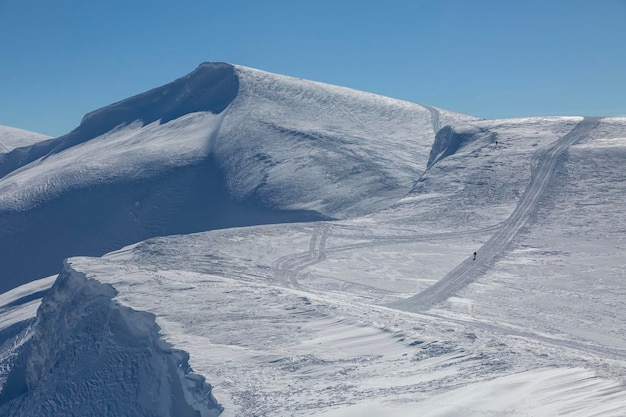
[(223, 146), (12, 138), (397, 259)]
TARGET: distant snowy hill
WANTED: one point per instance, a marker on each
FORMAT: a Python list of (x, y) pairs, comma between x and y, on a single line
[(12, 138), (396, 260)]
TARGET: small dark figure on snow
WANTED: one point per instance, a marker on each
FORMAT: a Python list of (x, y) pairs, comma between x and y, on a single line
[(474, 256)]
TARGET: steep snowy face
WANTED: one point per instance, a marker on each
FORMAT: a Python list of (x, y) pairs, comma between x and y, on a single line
[(136, 138), (210, 88)]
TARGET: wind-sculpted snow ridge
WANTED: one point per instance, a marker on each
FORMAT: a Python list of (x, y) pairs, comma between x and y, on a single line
[(224, 146), (448, 142), (210, 88), (136, 138), (91, 356)]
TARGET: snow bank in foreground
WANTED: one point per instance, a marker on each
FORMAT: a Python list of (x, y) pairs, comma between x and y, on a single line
[(92, 357)]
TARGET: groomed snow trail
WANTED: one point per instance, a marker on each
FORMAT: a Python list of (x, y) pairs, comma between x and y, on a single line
[(434, 117), (543, 165), (287, 268)]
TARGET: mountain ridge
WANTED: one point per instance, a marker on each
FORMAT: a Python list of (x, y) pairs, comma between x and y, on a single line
[(241, 132)]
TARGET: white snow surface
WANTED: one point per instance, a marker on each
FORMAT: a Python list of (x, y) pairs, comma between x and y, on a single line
[(11, 138), (307, 145), (223, 146), (131, 152), (381, 312), (357, 150)]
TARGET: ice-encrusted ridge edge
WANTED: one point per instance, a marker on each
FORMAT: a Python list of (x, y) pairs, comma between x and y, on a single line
[(75, 312)]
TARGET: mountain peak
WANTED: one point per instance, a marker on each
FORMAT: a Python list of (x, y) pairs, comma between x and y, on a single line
[(209, 88), (173, 160)]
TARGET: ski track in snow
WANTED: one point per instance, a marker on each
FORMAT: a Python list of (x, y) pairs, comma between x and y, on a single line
[(544, 164), (434, 117), (287, 268)]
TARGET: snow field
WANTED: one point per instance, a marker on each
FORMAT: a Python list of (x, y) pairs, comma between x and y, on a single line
[(296, 319)]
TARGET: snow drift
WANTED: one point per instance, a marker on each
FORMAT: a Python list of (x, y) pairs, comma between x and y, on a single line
[(12, 138), (92, 357)]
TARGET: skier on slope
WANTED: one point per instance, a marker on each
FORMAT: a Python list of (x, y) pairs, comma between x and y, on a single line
[(474, 256)]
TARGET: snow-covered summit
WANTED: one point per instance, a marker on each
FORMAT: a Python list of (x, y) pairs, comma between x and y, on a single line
[(209, 88), (223, 146)]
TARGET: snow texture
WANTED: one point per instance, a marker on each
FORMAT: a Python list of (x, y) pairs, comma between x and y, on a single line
[(352, 290), (12, 138)]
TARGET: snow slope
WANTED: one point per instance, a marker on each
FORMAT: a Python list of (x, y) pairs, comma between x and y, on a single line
[(12, 138), (351, 152), (214, 149), (380, 310)]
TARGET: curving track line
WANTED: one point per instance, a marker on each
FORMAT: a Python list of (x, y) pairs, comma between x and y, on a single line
[(434, 117), (287, 267), (543, 165)]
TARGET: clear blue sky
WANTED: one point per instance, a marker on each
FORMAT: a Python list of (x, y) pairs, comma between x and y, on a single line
[(61, 59)]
